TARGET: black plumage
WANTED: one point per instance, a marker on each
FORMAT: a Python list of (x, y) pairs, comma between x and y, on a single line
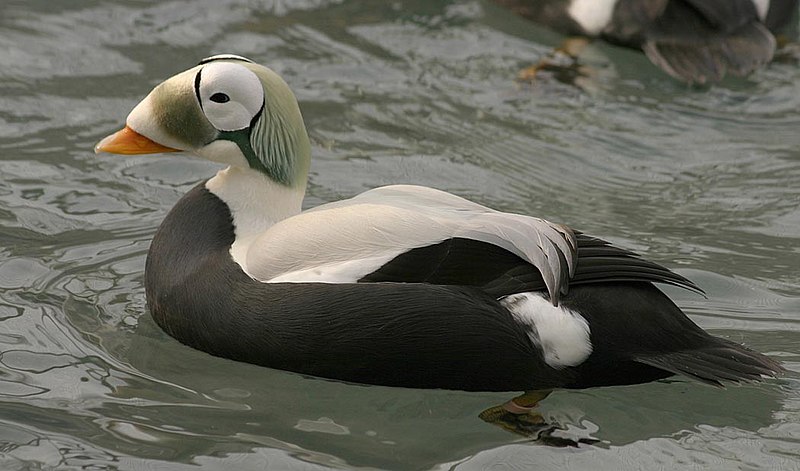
[(460, 261), (438, 325), (394, 334)]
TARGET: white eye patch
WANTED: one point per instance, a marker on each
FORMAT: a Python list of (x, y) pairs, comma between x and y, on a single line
[(230, 95)]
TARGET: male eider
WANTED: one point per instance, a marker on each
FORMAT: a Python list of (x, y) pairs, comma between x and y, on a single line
[(399, 286), (695, 41)]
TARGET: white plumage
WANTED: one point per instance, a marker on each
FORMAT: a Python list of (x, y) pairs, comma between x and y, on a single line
[(344, 241), (762, 7), (592, 15), (561, 334)]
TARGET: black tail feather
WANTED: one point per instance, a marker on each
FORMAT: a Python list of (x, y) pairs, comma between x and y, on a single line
[(723, 361)]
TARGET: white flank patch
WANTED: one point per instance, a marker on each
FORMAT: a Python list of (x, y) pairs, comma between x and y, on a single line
[(592, 15), (562, 334), (762, 7)]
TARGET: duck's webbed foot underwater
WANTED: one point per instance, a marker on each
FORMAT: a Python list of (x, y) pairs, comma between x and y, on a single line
[(561, 63), (519, 416)]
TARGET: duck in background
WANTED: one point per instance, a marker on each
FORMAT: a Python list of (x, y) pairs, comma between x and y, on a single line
[(399, 286), (694, 41)]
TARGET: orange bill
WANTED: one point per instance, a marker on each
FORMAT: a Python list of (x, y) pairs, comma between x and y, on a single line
[(128, 141)]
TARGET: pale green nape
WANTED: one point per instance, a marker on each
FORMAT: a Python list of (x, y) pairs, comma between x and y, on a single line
[(279, 137)]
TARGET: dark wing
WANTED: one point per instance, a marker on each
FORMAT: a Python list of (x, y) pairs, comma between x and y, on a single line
[(780, 13), (723, 15), (718, 362), (630, 19), (460, 261), (700, 41)]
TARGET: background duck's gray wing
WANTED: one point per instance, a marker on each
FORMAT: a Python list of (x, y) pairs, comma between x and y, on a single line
[(780, 13), (631, 19), (700, 41), (459, 261)]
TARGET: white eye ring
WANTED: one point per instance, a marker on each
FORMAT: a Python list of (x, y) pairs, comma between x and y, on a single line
[(230, 95)]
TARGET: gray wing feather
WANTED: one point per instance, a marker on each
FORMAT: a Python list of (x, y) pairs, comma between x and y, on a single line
[(378, 225)]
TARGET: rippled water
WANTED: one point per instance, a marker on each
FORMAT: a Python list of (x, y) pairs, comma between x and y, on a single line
[(705, 181)]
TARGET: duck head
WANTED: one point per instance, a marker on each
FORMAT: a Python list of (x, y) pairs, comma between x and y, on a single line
[(227, 109)]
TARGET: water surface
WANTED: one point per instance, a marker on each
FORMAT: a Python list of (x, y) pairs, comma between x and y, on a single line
[(704, 181)]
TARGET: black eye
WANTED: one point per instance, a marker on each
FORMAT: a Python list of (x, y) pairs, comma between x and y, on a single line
[(220, 98)]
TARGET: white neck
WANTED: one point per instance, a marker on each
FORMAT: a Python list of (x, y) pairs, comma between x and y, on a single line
[(256, 203)]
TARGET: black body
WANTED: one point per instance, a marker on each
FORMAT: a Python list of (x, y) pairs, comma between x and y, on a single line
[(416, 333)]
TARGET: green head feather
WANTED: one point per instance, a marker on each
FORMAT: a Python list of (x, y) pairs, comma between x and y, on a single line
[(278, 138)]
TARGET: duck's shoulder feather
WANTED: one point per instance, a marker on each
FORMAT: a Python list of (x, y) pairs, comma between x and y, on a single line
[(349, 240)]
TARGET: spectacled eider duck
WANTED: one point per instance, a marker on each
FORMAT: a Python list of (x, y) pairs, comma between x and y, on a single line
[(399, 286), (695, 41)]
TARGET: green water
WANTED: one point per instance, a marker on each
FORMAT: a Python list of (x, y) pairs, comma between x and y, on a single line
[(703, 181)]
